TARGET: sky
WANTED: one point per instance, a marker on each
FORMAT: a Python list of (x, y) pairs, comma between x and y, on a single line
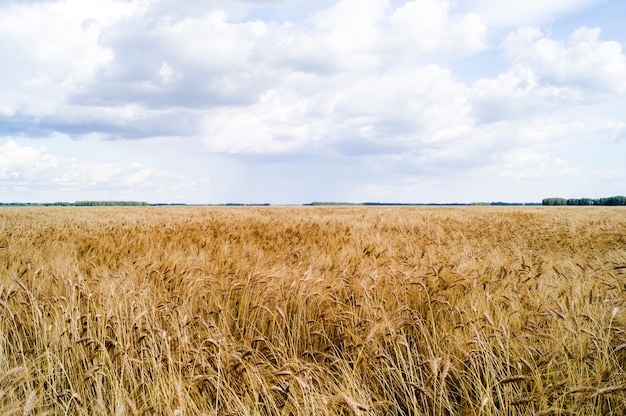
[(295, 101)]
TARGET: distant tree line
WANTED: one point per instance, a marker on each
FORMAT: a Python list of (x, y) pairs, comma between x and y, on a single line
[(425, 204), (610, 201), (77, 204), (110, 203), (36, 204)]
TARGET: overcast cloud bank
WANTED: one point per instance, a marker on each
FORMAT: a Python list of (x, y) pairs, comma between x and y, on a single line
[(280, 102)]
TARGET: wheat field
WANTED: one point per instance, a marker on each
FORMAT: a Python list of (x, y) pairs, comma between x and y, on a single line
[(312, 311)]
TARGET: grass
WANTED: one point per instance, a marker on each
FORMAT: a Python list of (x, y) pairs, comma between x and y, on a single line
[(312, 311)]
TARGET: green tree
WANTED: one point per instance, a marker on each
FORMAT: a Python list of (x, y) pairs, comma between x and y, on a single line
[(554, 201)]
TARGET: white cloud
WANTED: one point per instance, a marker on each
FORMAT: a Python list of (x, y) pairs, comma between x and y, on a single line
[(352, 26), (18, 163), (430, 26), (581, 61), (390, 113), (519, 94), (25, 169), (52, 50), (549, 76), (531, 164), (371, 90), (7, 111), (118, 55), (166, 72), (271, 126)]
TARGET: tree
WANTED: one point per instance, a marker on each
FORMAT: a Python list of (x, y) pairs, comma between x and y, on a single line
[(554, 201), (613, 200), (109, 203)]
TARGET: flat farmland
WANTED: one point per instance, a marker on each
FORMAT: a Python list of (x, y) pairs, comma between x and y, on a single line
[(313, 310)]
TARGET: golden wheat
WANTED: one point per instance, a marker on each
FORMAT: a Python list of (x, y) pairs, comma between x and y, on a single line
[(312, 311)]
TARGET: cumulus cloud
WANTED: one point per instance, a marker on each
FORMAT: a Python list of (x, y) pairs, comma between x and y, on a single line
[(195, 62), (52, 50), (527, 163), (384, 114), (251, 86), (517, 95), (25, 169), (580, 61), (549, 75), (376, 85), (430, 26), (344, 93)]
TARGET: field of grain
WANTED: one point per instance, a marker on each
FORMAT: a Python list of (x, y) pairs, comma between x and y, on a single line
[(313, 311)]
